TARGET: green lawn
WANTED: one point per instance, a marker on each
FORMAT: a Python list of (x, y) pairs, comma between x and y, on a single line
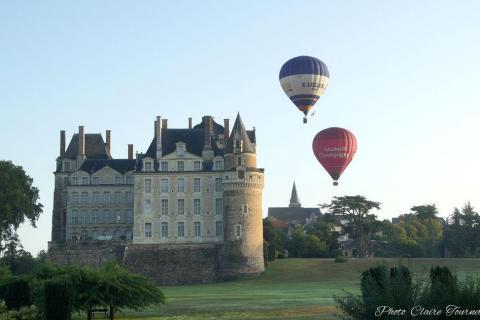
[(289, 289)]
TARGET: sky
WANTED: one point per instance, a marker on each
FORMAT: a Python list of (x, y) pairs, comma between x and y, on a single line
[(404, 79)]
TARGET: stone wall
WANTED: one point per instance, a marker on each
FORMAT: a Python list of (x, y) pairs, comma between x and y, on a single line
[(163, 264), (174, 264), (92, 254)]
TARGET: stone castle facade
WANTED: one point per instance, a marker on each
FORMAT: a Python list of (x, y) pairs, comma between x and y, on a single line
[(187, 210)]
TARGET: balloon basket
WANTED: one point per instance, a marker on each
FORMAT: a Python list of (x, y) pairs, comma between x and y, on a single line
[(304, 119), (335, 183)]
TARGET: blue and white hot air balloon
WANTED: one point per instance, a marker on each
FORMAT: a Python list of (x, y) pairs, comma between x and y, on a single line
[(304, 79)]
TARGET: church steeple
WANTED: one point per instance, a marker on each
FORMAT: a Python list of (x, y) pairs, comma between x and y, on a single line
[(294, 201)]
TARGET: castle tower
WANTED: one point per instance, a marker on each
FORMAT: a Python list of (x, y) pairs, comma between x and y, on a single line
[(242, 196)]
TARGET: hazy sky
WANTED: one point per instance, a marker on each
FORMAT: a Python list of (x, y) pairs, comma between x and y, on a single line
[(404, 80)]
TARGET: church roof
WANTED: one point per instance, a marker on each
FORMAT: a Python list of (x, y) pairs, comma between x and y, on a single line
[(291, 215), (240, 132), (94, 147)]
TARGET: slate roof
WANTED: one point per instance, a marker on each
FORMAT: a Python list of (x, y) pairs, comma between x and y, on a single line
[(94, 147), (239, 130), (193, 138), (290, 215), (119, 165)]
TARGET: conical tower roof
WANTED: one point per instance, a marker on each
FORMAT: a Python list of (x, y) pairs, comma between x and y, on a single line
[(239, 133), (294, 201)]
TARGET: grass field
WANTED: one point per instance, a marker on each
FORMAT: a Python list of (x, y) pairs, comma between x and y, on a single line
[(289, 289)]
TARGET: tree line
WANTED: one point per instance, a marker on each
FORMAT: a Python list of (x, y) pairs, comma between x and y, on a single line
[(418, 233)]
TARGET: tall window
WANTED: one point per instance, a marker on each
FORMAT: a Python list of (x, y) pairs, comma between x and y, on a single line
[(239, 161), (118, 180), (148, 185), (197, 229), (164, 207), (180, 166), (218, 206), (218, 165), (84, 217), (128, 197), (148, 230), (219, 228), (147, 206), (118, 217), (164, 166), (218, 184), (196, 184), (164, 185), (96, 198), (181, 185), (75, 198), (95, 216), (196, 165), (129, 180), (128, 216), (106, 198), (239, 231), (106, 216), (164, 230), (66, 180), (244, 208), (180, 206), (74, 180), (74, 216), (96, 180), (181, 229), (84, 198), (117, 197), (196, 207), (84, 180)]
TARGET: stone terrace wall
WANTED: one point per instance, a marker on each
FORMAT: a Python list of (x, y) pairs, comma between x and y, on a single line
[(173, 264), (92, 254), (164, 264)]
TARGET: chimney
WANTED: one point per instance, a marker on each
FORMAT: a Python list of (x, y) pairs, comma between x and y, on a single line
[(164, 123), (81, 141), (62, 143), (226, 129), (207, 124), (107, 142), (158, 137), (130, 152), (190, 123)]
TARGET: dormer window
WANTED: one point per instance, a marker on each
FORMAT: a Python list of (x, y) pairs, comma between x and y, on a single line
[(147, 166), (180, 149), (66, 166), (238, 145)]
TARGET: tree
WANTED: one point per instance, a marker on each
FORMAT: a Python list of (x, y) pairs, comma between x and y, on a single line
[(462, 235), (428, 213), (356, 209), (18, 200)]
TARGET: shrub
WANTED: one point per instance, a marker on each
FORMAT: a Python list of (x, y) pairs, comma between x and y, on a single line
[(340, 259), (16, 293), (58, 299), (271, 251)]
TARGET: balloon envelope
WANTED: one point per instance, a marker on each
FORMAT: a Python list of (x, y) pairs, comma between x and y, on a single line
[(334, 148), (304, 79)]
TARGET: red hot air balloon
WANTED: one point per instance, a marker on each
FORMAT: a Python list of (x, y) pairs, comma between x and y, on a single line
[(334, 148)]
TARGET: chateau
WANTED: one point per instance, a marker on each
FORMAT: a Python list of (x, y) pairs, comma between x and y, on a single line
[(187, 210)]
